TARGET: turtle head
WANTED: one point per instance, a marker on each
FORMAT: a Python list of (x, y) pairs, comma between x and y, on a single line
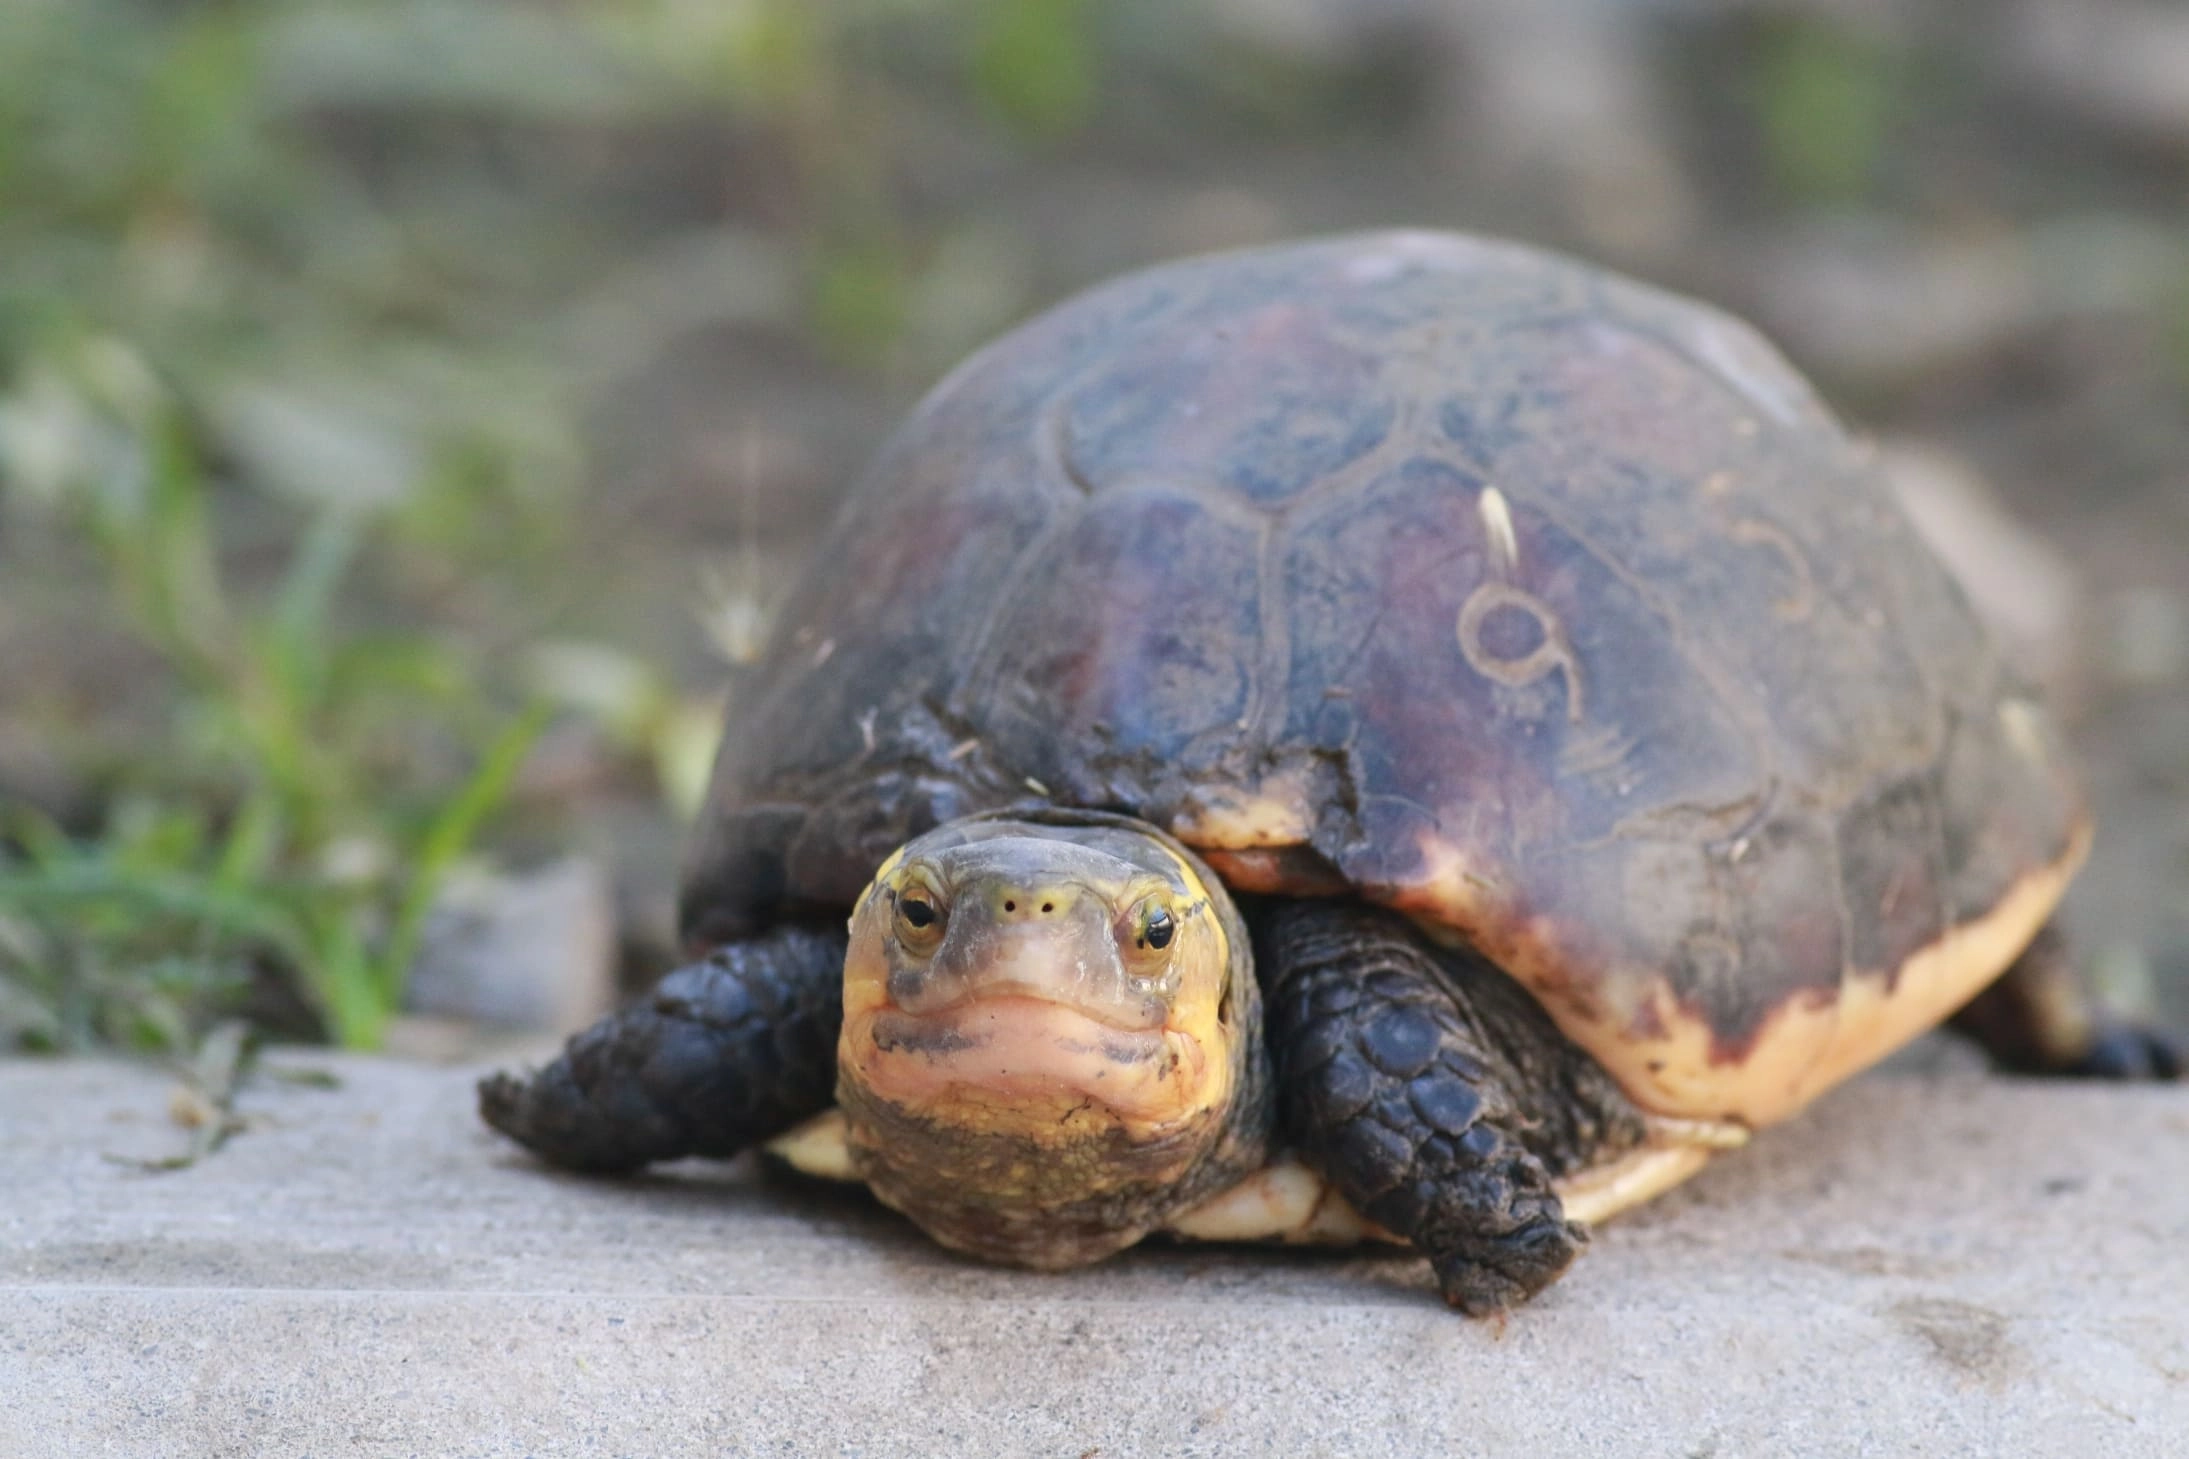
[(1051, 1037)]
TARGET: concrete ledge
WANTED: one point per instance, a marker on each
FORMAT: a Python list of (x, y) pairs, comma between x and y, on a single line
[(1936, 1265)]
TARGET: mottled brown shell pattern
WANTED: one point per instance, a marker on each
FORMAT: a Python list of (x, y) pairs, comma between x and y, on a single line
[(1550, 608)]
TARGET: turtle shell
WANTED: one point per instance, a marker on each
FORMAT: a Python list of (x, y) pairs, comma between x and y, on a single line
[(1546, 607)]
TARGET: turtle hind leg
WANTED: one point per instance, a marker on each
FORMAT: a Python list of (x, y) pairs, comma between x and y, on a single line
[(2041, 1017), (720, 1055), (1435, 1094)]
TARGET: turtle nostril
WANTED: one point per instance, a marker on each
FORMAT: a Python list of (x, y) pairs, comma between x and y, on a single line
[(1020, 902)]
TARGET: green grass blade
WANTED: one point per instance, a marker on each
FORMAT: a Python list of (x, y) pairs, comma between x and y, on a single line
[(446, 839), (303, 608), (81, 882)]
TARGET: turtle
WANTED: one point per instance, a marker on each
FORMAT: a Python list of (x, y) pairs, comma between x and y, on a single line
[(1399, 736)]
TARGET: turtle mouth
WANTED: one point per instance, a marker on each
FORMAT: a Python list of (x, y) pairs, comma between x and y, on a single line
[(1015, 1049)]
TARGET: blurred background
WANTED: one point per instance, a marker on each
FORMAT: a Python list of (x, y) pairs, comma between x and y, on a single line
[(410, 410)]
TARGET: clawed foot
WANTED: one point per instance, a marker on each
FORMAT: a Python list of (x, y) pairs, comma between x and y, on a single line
[(722, 1054), (2130, 1051), (1493, 1276), (1429, 1089)]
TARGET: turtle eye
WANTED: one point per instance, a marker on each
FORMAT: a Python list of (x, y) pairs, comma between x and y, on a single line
[(1149, 931), (1157, 930), (920, 916)]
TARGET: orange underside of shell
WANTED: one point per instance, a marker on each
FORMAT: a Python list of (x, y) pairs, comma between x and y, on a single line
[(1805, 1047), (1667, 1058)]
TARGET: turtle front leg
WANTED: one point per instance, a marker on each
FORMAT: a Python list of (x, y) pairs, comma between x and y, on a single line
[(719, 1056), (2041, 1017), (1436, 1095)]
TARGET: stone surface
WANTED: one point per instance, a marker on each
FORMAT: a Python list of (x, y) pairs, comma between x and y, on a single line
[(533, 951), (1938, 1264), (2122, 62)]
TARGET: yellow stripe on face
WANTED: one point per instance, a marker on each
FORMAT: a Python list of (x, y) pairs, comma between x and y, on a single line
[(896, 859), (1198, 901)]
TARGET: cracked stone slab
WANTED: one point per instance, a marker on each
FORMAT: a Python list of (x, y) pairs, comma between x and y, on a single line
[(1939, 1264)]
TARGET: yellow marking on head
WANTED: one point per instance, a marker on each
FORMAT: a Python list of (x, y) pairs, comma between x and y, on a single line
[(1197, 1012), (866, 893), (1197, 895)]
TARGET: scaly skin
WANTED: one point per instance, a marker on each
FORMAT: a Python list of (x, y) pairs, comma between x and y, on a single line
[(721, 1055), (1435, 1095)]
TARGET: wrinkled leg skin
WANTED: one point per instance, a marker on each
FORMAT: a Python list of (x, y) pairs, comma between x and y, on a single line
[(2040, 1017), (719, 1056), (1435, 1094)]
